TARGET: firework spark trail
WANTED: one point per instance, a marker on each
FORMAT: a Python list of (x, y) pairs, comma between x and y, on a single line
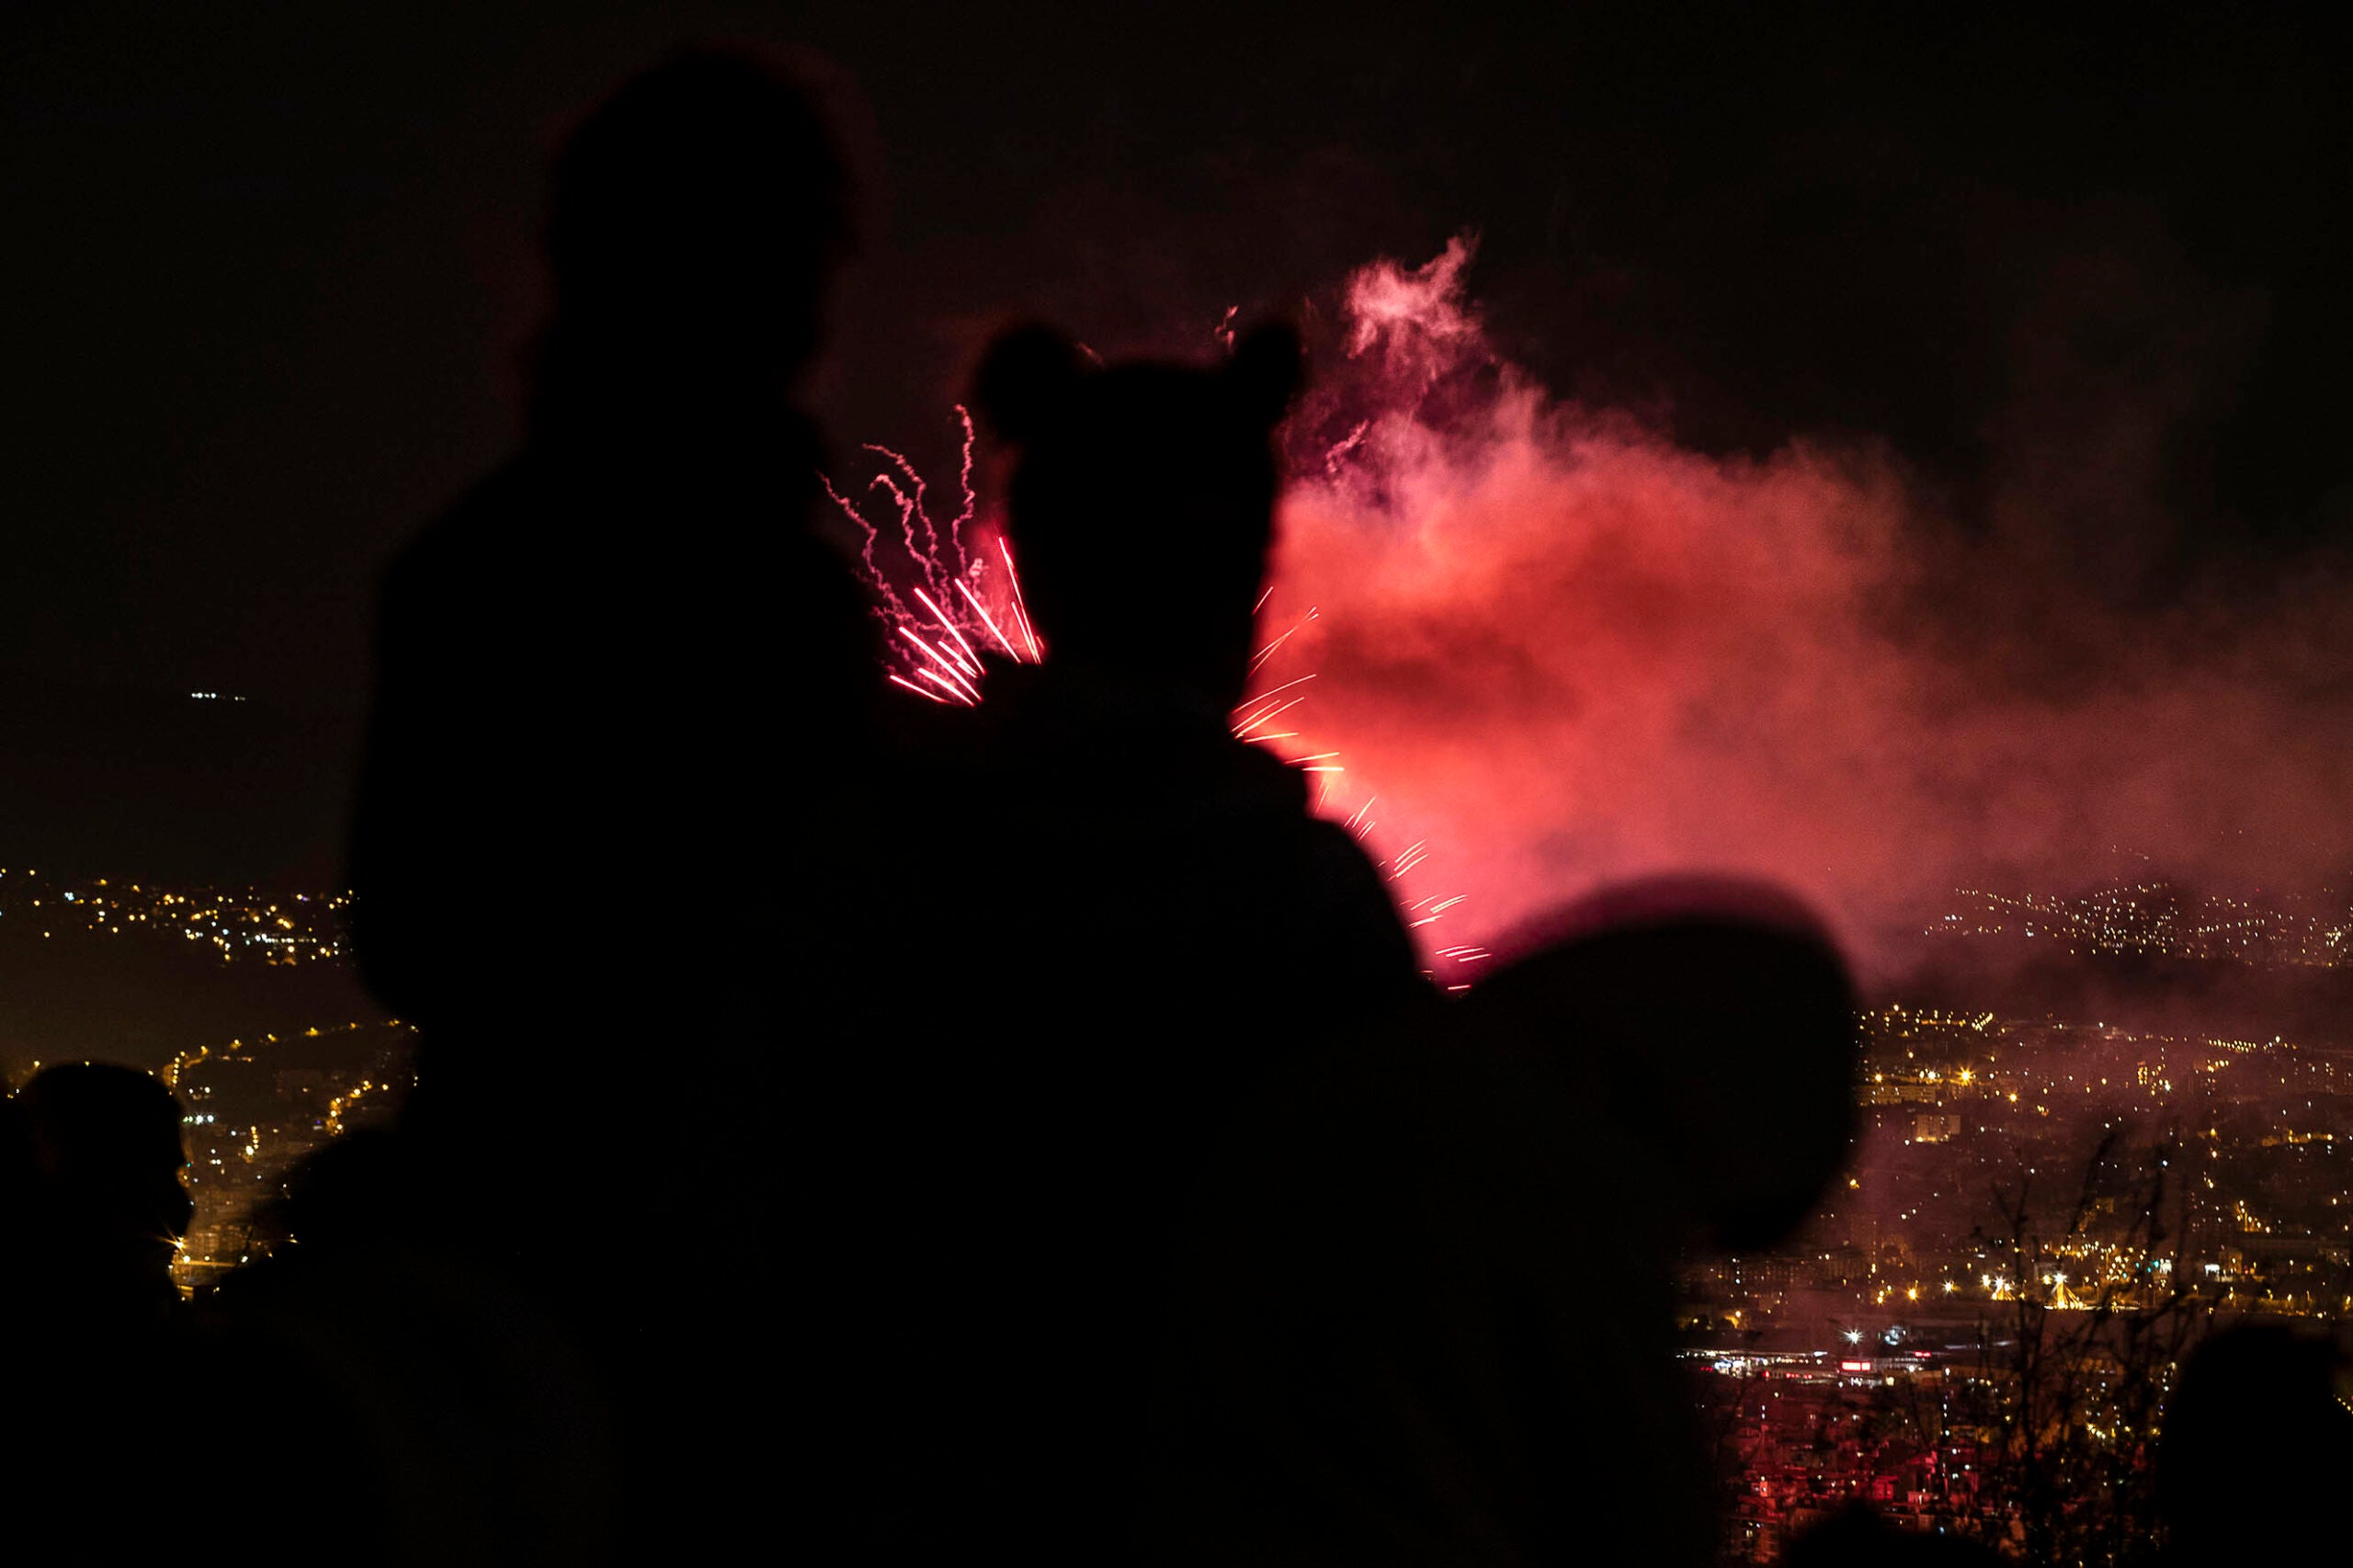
[(1261, 656), (986, 618), (972, 660), (1243, 729), (912, 509), (1020, 608), (933, 590), (872, 573), (964, 483)]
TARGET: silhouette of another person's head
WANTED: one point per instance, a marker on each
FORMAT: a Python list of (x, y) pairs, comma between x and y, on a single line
[(2257, 1439), (109, 1206), (1142, 506), (696, 218), (1714, 1022)]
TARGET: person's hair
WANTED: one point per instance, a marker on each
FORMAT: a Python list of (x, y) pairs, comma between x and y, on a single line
[(1142, 504)]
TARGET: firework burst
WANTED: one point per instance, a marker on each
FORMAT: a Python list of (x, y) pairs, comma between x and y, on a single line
[(942, 592)]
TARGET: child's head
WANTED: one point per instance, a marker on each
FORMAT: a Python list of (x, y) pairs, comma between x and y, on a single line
[(1142, 506)]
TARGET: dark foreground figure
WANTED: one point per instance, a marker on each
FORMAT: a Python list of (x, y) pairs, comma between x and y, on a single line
[(94, 1209), (2257, 1447), (622, 724), (1136, 919), (623, 685), (104, 1206), (1229, 1243), (1096, 1183), (1431, 1299), (1099, 1181)]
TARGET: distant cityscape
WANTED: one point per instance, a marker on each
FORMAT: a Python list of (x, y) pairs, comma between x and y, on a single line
[(2028, 1191), (255, 1109), (2160, 919), (255, 1105), (240, 924), (2027, 1194)]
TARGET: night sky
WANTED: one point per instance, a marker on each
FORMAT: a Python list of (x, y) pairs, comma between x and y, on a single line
[(267, 267)]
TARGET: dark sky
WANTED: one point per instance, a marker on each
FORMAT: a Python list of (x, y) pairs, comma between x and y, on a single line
[(266, 266)]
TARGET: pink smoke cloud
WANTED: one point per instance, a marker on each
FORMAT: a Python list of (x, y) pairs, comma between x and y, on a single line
[(1566, 651)]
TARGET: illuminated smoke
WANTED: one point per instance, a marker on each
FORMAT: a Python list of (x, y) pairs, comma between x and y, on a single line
[(1560, 650), (1556, 649)]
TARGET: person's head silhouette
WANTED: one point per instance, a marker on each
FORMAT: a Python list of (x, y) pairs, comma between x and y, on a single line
[(107, 1156), (696, 217), (1143, 504), (2258, 1437), (1711, 1017)]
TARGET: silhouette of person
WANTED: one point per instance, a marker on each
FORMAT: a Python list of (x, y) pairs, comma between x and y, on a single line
[(1156, 919), (90, 1428), (622, 683), (1137, 827), (108, 1207), (1431, 1320), (1710, 1019), (623, 706), (2258, 1437)]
